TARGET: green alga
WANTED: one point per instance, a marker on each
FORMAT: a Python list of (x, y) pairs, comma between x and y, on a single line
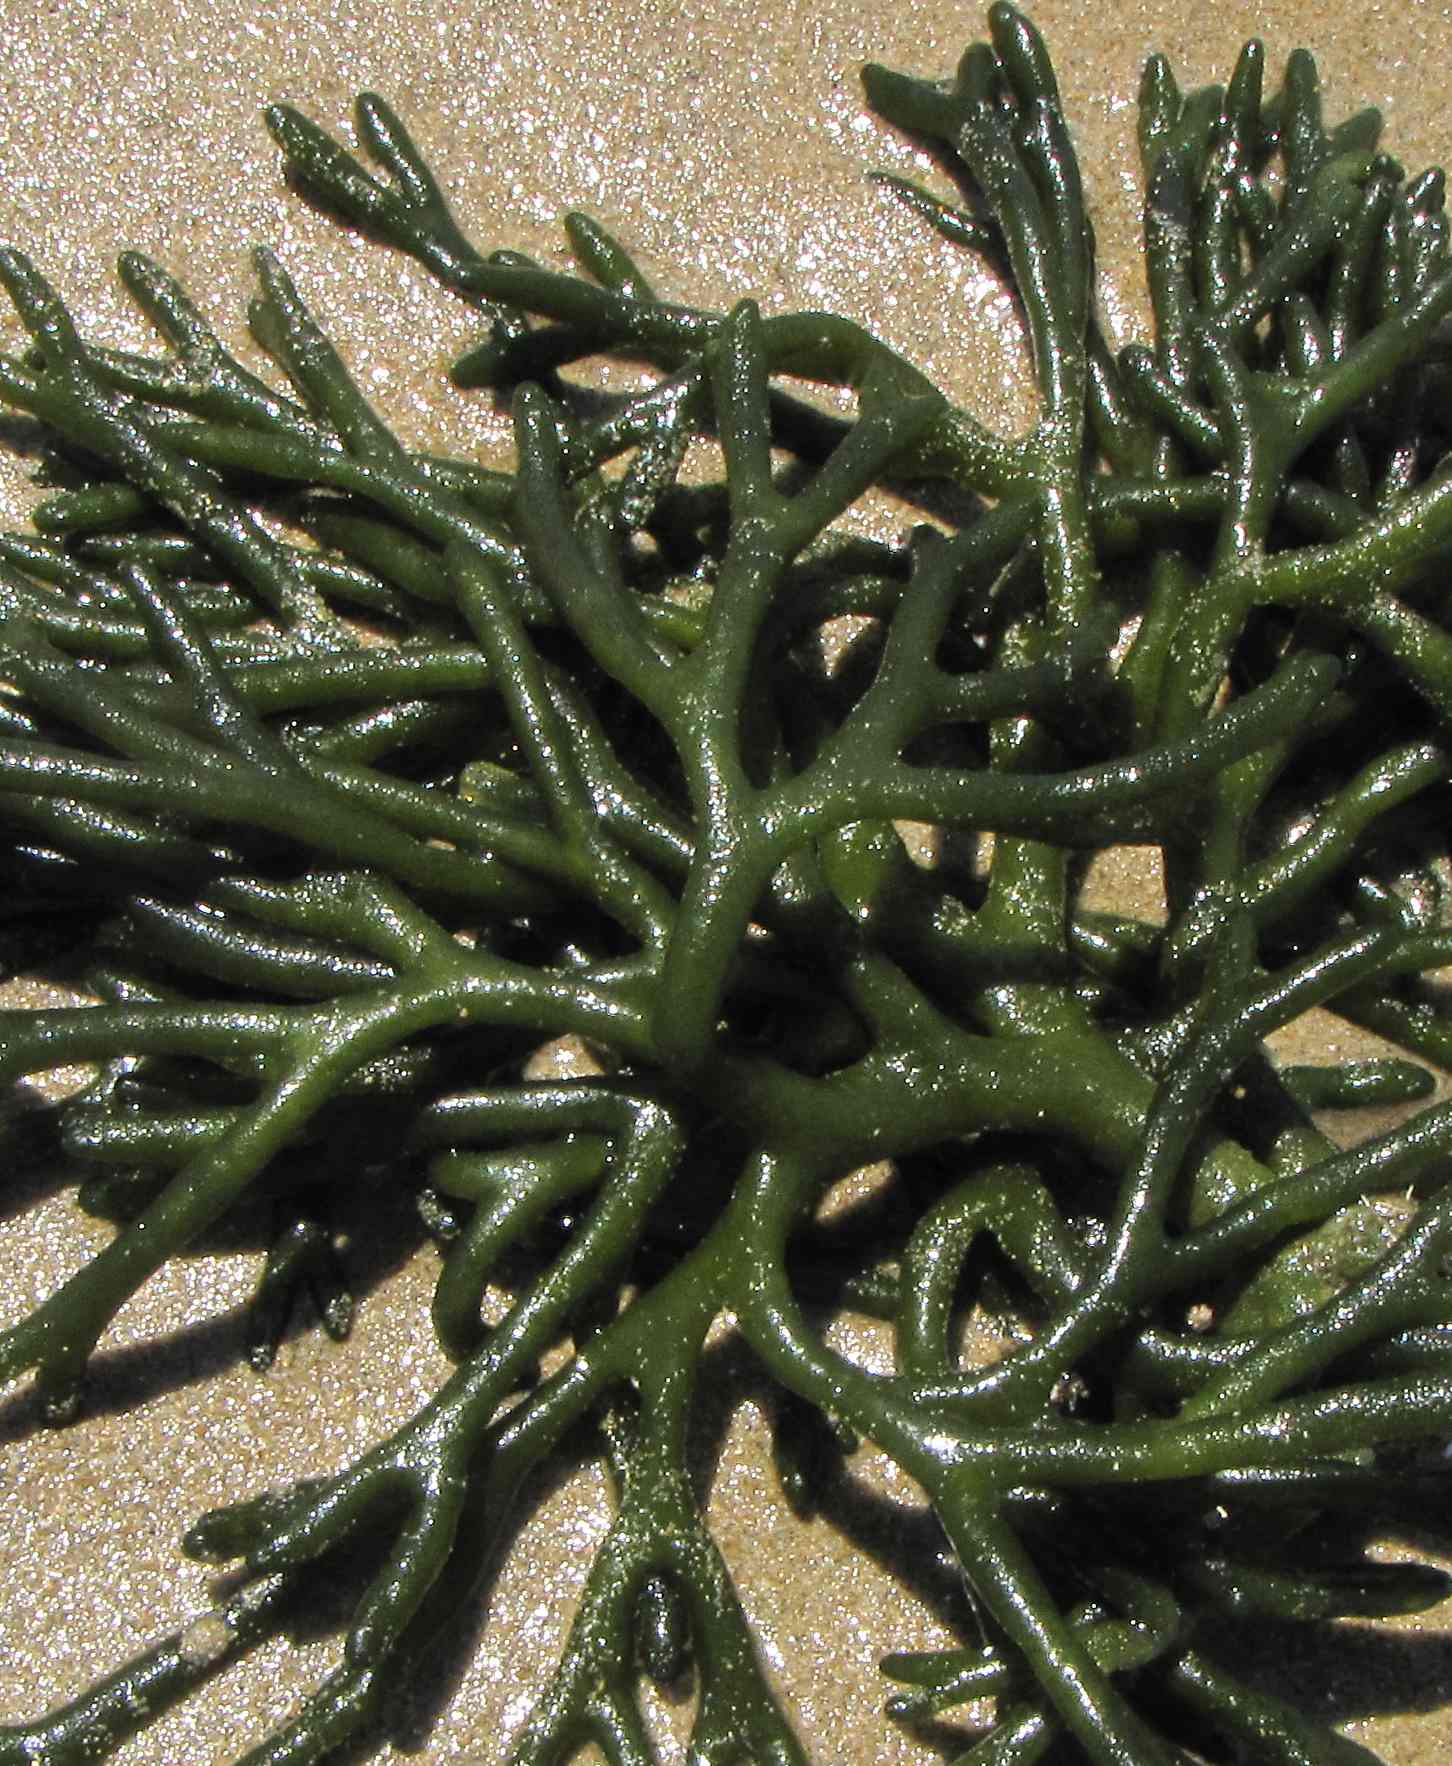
[(331, 893)]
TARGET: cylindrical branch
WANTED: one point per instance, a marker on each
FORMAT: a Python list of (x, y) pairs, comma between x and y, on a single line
[(549, 1145), (219, 605), (496, 808), (256, 435), (1088, 1453), (1284, 881), (102, 1135), (498, 826), (1004, 117), (1353, 1085), (70, 392), (513, 1193), (1018, 1209), (306, 1054), (572, 549), (1131, 1622), (36, 1041), (1247, 1717), (1144, 1264), (410, 211), (104, 633), (1119, 800), (659, 1597), (1403, 1288), (911, 693), (1124, 1274), (218, 794), (1005, 120), (1364, 1590), (457, 1448), (1071, 1663), (288, 331), (714, 687), (243, 774), (1155, 1637), (204, 941), (570, 791), (57, 1338), (142, 849), (621, 313), (33, 556), (204, 379), (1369, 1413), (128, 1699)]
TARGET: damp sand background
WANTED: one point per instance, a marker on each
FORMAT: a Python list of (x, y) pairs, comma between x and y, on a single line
[(727, 145)]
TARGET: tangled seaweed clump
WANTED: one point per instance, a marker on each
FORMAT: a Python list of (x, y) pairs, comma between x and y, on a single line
[(346, 775)]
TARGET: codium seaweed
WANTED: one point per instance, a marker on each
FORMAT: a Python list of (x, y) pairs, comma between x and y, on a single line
[(358, 773)]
